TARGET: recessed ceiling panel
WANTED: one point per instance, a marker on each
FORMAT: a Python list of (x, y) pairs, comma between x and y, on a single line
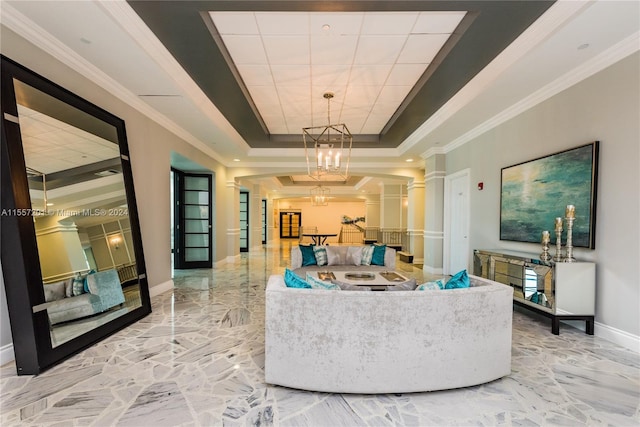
[(353, 54)]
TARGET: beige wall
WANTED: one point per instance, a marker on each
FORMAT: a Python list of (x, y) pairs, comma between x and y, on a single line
[(604, 107), (326, 218)]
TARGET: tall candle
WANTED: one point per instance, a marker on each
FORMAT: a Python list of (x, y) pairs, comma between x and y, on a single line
[(558, 223), (545, 236), (570, 212)]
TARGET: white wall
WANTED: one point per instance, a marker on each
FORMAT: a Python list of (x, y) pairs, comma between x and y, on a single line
[(605, 107)]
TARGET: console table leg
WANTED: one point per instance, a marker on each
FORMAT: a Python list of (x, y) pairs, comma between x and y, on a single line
[(590, 325), (555, 325)]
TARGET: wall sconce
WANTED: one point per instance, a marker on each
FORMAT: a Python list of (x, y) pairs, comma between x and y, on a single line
[(115, 242)]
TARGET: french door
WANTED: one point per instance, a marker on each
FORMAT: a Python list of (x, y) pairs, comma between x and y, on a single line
[(244, 221), (290, 225), (192, 220), (264, 221)]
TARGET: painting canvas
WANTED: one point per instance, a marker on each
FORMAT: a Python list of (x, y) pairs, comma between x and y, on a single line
[(536, 192)]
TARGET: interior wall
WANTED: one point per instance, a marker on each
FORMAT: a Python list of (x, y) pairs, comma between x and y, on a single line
[(328, 219), (604, 107)]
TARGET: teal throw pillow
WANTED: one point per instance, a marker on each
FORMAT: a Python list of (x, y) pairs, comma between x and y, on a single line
[(308, 257), (458, 281), (321, 284), (292, 280), (85, 284), (367, 255), (378, 254), (321, 255)]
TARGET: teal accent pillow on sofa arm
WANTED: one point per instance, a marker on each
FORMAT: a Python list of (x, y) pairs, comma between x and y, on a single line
[(459, 280), (292, 280)]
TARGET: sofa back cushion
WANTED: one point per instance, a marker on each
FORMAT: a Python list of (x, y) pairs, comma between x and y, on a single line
[(336, 255), (55, 291), (354, 255)]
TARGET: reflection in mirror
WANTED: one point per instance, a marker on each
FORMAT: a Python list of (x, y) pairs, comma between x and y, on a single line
[(78, 198)]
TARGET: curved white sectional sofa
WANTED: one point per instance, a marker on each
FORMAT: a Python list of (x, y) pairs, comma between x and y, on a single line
[(387, 342)]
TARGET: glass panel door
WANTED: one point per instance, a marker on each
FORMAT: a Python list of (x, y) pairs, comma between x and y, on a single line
[(244, 221), (264, 221), (192, 220), (290, 225)]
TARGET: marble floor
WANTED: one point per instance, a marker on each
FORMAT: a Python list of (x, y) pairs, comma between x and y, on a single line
[(197, 360)]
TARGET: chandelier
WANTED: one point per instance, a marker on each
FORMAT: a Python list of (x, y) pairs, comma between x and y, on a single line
[(331, 147), (320, 196)]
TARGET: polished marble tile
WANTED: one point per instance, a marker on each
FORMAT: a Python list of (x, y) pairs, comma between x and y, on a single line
[(198, 360)]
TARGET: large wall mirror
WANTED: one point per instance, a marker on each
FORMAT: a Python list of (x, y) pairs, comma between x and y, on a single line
[(71, 248)]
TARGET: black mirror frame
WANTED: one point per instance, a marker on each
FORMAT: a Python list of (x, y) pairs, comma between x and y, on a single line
[(18, 249)]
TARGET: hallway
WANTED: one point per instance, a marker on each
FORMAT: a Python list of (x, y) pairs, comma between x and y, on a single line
[(197, 360)]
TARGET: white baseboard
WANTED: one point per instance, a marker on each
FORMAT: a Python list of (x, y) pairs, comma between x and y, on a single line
[(6, 354), (233, 258), (161, 288), (418, 260), (616, 336), (432, 270)]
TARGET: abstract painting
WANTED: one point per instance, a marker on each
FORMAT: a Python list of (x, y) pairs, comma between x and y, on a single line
[(534, 193)]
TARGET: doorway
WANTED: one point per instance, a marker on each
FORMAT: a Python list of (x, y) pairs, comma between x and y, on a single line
[(290, 225), (456, 222), (192, 207), (244, 221)]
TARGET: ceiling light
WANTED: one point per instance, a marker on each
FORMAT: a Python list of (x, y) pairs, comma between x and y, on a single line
[(320, 196), (326, 27), (236, 160), (409, 160), (332, 147)]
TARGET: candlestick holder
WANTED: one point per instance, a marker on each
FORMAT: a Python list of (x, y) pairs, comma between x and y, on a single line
[(558, 256), (569, 257), (545, 255)]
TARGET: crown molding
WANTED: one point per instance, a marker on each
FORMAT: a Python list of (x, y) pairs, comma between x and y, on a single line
[(135, 27), (42, 39), (557, 15), (598, 63)]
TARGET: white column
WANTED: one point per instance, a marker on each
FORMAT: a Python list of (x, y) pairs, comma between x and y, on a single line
[(232, 200), (415, 219), (255, 218), (435, 171)]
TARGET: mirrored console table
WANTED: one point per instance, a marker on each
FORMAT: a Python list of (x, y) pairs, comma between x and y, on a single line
[(561, 291)]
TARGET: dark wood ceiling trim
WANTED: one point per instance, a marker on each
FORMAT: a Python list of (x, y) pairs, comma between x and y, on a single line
[(181, 28)]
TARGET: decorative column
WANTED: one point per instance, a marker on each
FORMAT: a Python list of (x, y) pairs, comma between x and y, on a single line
[(255, 218), (391, 206), (415, 219), (435, 172), (232, 200)]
